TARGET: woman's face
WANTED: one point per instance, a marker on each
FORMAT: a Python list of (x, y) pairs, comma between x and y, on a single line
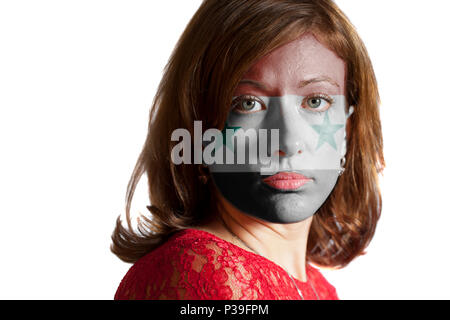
[(299, 90)]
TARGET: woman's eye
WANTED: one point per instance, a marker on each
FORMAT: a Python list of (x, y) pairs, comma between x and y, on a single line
[(248, 105), (317, 103)]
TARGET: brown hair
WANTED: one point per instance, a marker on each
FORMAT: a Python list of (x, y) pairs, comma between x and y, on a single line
[(221, 42)]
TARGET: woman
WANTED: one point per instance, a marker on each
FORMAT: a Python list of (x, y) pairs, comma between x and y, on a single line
[(227, 230)]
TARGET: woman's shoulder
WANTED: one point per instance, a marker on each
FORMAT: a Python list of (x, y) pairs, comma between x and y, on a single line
[(184, 267), (179, 245), (190, 247)]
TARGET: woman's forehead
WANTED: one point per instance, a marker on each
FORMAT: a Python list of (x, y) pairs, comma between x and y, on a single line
[(302, 62)]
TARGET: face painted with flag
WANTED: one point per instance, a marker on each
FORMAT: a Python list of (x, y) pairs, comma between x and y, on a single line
[(285, 134)]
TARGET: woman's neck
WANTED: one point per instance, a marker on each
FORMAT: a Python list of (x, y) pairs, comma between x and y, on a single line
[(284, 244)]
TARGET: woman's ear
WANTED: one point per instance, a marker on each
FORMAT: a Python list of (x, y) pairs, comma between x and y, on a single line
[(348, 124), (348, 130), (351, 110)]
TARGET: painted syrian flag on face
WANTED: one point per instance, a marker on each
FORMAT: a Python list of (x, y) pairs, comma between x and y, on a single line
[(282, 137)]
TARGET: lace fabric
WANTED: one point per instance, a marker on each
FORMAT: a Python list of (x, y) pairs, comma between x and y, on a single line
[(197, 265)]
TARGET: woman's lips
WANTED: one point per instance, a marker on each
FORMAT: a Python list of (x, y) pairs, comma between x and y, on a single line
[(287, 181)]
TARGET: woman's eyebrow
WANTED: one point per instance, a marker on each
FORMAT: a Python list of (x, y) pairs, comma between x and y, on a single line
[(304, 83), (254, 83)]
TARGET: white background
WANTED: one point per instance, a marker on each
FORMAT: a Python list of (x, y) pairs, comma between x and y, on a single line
[(77, 79)]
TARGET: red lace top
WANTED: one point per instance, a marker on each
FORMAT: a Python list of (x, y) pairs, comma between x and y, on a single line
[(197, 265)]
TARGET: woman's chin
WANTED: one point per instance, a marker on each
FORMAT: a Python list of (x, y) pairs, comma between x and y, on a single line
[(250, 195)]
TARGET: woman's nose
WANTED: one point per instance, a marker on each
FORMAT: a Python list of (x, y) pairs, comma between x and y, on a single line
[(290, 126)]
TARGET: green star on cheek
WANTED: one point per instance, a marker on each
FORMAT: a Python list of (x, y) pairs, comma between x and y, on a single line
[(326, 132), (227, 141)]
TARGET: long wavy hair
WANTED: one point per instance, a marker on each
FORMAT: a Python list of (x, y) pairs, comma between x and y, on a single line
[(221, 42)]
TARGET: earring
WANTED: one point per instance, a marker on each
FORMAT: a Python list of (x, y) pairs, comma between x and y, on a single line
[(342, 168)]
